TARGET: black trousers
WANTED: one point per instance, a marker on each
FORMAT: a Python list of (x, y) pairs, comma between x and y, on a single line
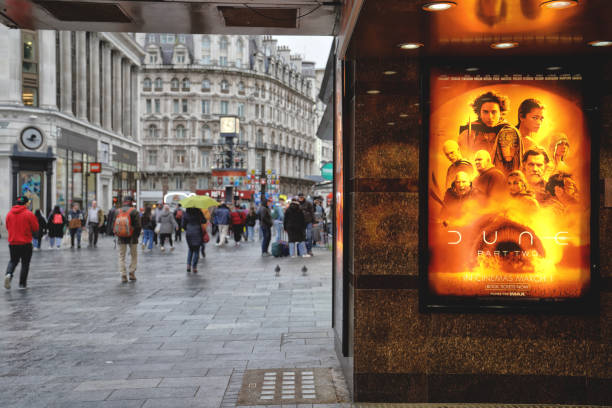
[(163, 237), (19, 253)]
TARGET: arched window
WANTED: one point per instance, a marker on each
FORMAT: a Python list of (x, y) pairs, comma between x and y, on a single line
[(174, 84), (205, 85), (158, 84), (146, 84), (260, 137), (241, 88), (206, 135), (180, 131), (186, 84), (153, 132), (225, 86)]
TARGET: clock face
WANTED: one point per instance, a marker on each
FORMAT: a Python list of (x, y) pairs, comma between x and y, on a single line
[(31, 138), (228, 125)]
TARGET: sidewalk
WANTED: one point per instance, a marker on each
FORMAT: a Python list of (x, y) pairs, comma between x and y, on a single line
[(77, 337)]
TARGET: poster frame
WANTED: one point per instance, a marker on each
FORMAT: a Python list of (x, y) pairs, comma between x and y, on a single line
[(592, 75)]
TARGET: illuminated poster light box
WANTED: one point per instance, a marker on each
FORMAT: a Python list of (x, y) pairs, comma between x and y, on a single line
[(506, 191)]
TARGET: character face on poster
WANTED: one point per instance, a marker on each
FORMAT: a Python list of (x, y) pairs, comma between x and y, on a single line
[(509, 187)]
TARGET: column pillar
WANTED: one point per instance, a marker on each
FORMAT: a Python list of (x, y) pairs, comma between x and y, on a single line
[(106, 87), (47, 64), (135, 104), (127, 100), (10, 66), (95, 64), (66, 67), (81, 75), (116, 85)]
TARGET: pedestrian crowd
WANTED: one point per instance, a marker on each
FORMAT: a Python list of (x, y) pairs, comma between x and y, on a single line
[(298, 225)]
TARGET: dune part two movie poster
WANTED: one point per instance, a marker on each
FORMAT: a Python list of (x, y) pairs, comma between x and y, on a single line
[(509, 187)]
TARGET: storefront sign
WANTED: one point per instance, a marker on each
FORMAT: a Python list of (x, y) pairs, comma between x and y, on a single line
[(508, 190), (77, 167), (95, 167)]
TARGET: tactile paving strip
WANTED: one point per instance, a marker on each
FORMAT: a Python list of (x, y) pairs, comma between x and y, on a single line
[(287, 386)]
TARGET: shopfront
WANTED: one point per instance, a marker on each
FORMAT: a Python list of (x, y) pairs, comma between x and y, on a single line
[(125, 175), (76, 171), (32, 176)]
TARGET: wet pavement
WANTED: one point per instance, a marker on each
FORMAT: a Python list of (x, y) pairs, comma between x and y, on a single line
[(78, 337)]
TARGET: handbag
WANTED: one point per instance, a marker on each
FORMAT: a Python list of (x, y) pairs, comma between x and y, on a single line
[(205, 236), (157, 228)]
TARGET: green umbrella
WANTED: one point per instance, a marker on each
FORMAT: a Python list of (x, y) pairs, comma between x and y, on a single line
[(198, 201)]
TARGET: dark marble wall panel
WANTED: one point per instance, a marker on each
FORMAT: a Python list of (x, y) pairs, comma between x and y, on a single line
[(386, 234)]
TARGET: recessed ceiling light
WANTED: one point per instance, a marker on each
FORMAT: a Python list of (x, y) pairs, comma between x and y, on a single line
[(472, 69), (600, 43), (391, 123), (438, 5), (504, 45), (555, 68), (390, 72), (410, 46), (372, 91), (558, 4), (403, 115)]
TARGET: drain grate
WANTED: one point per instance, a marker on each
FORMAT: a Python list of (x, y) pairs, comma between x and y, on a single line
[(287, 386)]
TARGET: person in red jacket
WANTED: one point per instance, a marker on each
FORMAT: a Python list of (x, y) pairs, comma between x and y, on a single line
[(238, 218), (20, 224)]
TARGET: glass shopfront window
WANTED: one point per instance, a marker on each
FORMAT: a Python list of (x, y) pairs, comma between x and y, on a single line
[(73, 181)]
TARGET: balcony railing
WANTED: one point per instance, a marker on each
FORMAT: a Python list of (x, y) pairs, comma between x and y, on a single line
[(260, 145)]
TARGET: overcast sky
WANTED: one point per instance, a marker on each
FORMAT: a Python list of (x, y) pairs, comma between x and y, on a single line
[(312, 48)]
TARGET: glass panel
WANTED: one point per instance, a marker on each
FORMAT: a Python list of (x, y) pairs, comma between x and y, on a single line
[(31, 186), (30, 96)]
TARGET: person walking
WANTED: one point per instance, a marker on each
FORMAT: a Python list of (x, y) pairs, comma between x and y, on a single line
[(222, 218), (156, 213), (148, 226), (251, 220), (167, 225), (55, 225), (308, 210), (295, 225), (42, 228), (127, 227), (75, 224), (265, 225), (20, 224), (238, 219), (110, 220), (278, 217), (194, 224), (178, 217), (95, 220)]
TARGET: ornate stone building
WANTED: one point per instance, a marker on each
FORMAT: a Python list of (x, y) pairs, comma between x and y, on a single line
[(68, 117), (189, 81)]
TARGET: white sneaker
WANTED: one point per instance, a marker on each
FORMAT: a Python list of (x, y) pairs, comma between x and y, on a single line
[(306, 256), (162, 249), (171, 248), (294, 256)]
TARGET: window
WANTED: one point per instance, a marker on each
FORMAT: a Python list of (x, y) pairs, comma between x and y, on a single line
[(260, 137), (205, 43), (257, 111), (148, 104), (158, 84), (153, 57), (185, 105), (224, 107), (205, 107), (203, 181), (241, 88), (150, 38), (205, 60), (186, 84), (175, 105), (240, 110), (205, 85), (179, 158), (224, 86), (167, 38), (157, 106), (29, 69), (146, 84), (180, 132), (153, 131), (104, 152), (263, 92), (206, 135), (152, 157), (256, 93), (223, 61), (238, 63), (223, 44), (178, 182), (180, 58), (174, 84), (182, 38)]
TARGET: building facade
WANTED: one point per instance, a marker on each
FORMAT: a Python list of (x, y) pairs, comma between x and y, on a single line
[(188, 82), (68, 117)]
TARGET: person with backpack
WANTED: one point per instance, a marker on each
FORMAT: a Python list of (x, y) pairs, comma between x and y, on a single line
[(126, 228), (42, 228), (55, 225), (167, 225), (238, 219), (194, 223), (75, 223), (20, 224), (178, 217)]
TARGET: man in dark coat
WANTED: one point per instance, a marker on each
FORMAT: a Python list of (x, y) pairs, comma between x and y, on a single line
[(295, 225), (20, 224), (308, 210)]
